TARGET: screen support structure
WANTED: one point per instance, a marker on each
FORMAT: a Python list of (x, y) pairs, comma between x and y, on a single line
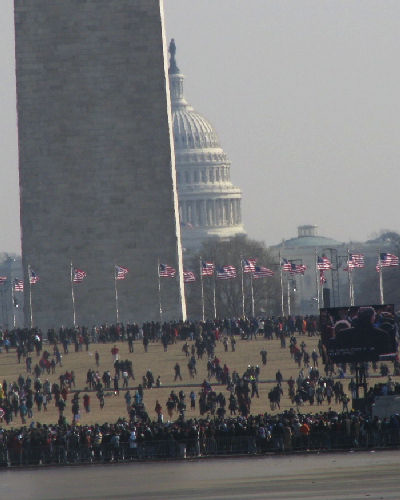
[(361, 378)]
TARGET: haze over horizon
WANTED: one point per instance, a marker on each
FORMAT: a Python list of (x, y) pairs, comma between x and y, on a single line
[(302, 96)]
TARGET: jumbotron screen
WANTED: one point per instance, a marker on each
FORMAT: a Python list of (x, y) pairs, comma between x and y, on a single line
[(356, 334)]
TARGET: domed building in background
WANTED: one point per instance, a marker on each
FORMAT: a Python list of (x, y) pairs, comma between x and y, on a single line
[(308, 244), (303, 249), (209, 204)]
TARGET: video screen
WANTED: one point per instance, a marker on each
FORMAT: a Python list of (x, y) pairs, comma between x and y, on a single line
[(360, 333)]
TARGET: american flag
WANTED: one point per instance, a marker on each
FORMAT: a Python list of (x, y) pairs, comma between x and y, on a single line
[(262, 272), (286, 265), (388, 260), (188, 276), (322, 278), (226, 272), (166, 271), (207, 268), (297, 269), (33, 277), (3, 279), (78, 275), (18, 285), (249, 265), (356, 260), (120, 272), (323, 263)]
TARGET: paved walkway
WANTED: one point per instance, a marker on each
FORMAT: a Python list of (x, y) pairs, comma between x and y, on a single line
[(335, 476)]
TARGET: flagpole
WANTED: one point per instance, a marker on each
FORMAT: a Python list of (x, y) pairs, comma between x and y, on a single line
[(73, 295), (202, 289), (13, 302), (317, 277), (281, 278), (288, 297), (116, 293), (380, 277), (350, 279), (348, 274), (30, 295), (252, 296), (352, 288), (159, 289), (215, 298), (241, 267)]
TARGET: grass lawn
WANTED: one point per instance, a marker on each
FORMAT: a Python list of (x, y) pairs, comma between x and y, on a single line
[(162, 363)]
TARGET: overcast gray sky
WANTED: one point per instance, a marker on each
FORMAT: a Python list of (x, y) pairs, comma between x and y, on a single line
[(303, 95)]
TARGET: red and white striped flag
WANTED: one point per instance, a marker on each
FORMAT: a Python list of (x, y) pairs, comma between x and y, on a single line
[(323, 263), (166, 271), (188, 276), (18, 285), (207, 268), (249, 265), (33, 277), (226, 272), (388, 260), (262, 272), (78, 275), (120, 272), (356, 260), (3, 279), (298, 268)]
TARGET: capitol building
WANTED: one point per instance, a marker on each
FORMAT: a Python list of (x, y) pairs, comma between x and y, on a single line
[(209, 204)]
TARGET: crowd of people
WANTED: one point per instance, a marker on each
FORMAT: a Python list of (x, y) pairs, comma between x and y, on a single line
[(141, 439), (222, 417), (80, 338), (20, 399)]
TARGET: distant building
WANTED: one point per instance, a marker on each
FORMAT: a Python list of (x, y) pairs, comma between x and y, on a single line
[(335, 292), (302, 250), (209, 204)]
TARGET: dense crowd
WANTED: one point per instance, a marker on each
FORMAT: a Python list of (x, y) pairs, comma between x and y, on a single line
[(80, 337), (130, 440), (222, 418)]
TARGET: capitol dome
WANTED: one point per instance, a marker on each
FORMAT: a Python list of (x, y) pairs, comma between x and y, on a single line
[(209, 204), (192, 131)]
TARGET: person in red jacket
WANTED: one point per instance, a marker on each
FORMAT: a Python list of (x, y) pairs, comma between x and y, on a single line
[(115, 353)]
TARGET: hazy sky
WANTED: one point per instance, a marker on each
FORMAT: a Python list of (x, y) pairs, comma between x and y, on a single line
[(303, 95)]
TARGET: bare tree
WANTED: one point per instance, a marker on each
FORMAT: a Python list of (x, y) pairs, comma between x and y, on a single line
[(228, 293)]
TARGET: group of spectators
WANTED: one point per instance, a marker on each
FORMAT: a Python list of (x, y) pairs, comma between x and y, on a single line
[(140, 439), (224, 422), (81, 337), (20, 399)]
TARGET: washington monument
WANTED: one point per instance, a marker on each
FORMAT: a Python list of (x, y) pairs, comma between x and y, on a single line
[(96, 160)]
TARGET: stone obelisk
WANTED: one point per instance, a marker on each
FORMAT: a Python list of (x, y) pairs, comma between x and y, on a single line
[(96, 159)]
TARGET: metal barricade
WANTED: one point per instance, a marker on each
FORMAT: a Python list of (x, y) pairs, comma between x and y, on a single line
[(22, 454)]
